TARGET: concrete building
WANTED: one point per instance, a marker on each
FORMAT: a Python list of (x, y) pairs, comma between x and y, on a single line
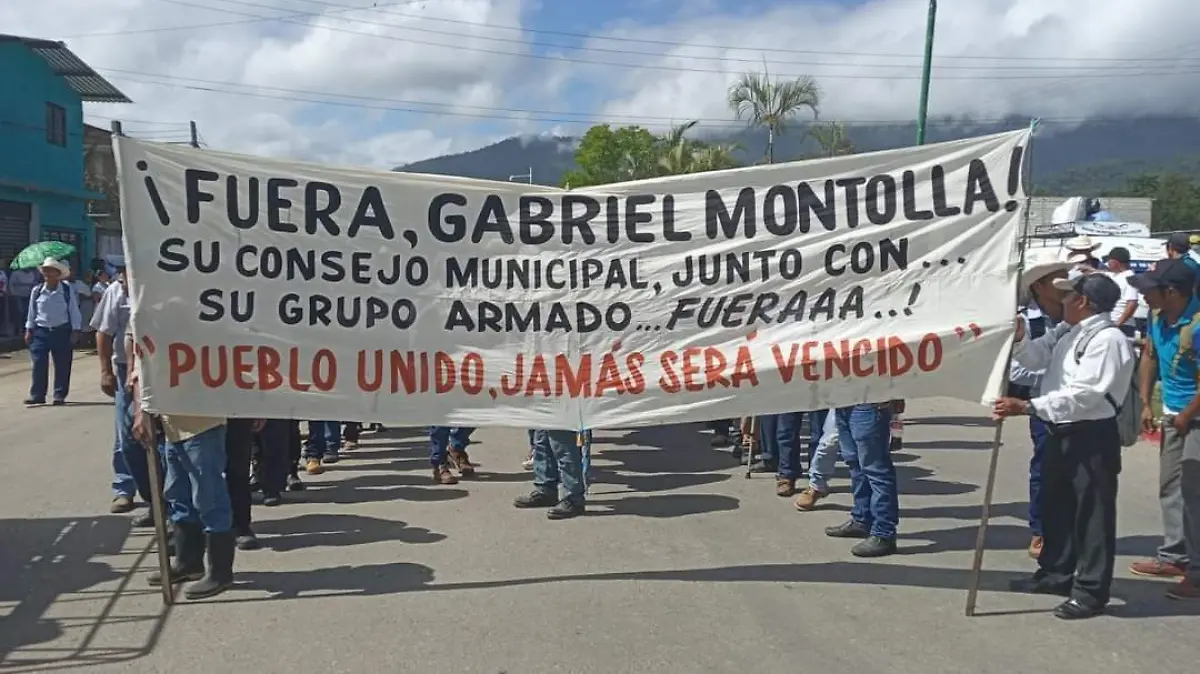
[(1125, 209), (42, 189), (100, 176)]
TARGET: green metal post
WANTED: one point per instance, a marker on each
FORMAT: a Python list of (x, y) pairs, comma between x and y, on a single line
[(926, 67)]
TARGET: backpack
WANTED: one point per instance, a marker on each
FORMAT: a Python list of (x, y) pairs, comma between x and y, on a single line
[(37, 292), (1129, 418)]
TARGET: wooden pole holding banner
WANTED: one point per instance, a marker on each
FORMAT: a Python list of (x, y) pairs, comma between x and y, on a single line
[(159, 507), (749, 426), (993, 463)]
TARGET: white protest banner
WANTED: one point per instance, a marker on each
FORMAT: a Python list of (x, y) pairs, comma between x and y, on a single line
[(267, 288)]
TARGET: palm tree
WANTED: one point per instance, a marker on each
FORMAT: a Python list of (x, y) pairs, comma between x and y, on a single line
[(677, 151), (832, 138), (771, 104), (715, 157)]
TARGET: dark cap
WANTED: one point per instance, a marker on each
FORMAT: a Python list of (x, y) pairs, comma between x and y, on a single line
[(1119, 254), (1179, 242), (1098, 288), (1167, 273)]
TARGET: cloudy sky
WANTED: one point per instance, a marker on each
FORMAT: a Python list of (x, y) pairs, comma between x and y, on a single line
[(383, 83)]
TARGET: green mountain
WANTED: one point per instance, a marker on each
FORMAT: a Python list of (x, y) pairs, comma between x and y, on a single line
[(1114, 176), (1065, 157)]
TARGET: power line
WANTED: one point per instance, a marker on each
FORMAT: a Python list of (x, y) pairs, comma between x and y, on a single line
[(220, 24), (379, 9), (494, 113), (1106, 73), (142, 122)]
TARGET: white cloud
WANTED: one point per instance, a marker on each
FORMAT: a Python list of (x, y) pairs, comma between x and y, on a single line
[(858, 87), (355, 57)]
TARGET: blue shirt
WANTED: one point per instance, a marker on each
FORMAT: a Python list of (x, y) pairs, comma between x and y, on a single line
[(1192, 263), (52, 308), (111, 317), (1176, 370)]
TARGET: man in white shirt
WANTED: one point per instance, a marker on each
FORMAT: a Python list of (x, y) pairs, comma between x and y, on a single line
[(1088, 368), (1118, 262)]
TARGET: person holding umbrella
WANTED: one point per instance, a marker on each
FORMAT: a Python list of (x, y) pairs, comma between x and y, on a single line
[(52, 320)]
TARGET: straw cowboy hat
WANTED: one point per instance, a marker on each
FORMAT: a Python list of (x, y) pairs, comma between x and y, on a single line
[(1038, 265), (61, 267), (1081, 244)]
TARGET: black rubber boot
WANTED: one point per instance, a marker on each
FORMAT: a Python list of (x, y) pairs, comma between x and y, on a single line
[(221, 548), (188, 564)]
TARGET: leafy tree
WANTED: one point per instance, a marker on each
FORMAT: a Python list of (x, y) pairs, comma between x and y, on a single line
[(715, 157), (772, 104), (832, 139), (607, 155), (1176, 200), (677, 151)]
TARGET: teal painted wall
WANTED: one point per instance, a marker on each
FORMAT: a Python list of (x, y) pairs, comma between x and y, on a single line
[(31, 168)]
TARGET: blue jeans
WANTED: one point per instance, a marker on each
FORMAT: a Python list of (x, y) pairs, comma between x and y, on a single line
[(558, 460), (816, 430), (324, 437), (131, 468), (777, 434), (864, 436), (824, 459), (47, 344), (1038, 433), (195, 486), (444, 438)]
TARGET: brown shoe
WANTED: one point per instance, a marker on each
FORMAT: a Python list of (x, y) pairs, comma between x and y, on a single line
[(442, 475), (314, 467), (785, 487), (1156, 568), (1186, 590), (807, 500), (121, 504), (462, 462), (1035, 546)]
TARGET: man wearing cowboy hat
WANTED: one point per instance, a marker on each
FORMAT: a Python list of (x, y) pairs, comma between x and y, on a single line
[(1081, 251), (51, 322), (1089, 366), (1037, 291)]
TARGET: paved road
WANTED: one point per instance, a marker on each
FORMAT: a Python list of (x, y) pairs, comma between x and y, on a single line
[(682, 566)]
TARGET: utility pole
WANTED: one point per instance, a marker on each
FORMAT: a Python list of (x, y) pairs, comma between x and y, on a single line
[(898, 406), (195, 142), (522, 177), (926, 68)]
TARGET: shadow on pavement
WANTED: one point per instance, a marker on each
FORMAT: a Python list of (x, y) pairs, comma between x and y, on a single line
[(948, 444), (321, 530), (664, 505), (973, 422), (378, 488), (918, 481), (48, 565), (1143, 598)]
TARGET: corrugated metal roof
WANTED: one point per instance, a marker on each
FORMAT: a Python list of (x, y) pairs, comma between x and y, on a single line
[(86, 82)]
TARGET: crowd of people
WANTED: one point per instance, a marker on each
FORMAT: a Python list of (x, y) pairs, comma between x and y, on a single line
[(1074, 370), (1076, 374)]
